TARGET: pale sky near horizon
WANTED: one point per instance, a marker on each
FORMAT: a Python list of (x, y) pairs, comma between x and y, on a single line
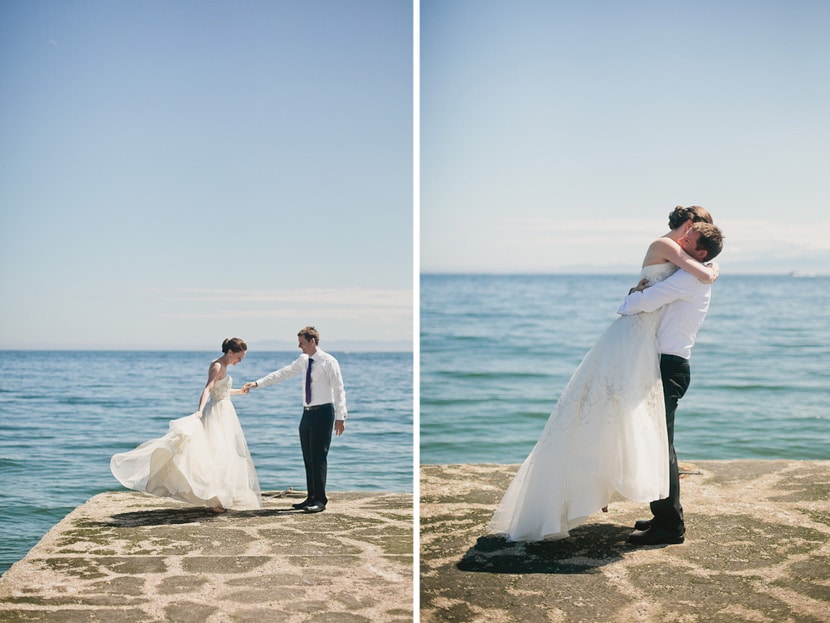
[(557, 136), (166, 167), (174, 173)]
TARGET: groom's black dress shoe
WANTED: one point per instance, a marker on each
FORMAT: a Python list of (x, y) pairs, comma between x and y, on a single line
[(643, 524), (303, 504), (656, 536), (315, 507)]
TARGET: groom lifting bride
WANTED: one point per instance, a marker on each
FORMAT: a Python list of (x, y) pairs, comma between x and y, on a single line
[(324, 408), (612, 429)]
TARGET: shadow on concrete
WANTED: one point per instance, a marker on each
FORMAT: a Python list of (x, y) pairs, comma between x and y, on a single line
[(588, 548), (160, 517), (173, 516)]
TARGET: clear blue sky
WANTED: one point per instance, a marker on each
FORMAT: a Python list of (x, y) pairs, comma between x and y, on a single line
[(557, 135), (174, 173)]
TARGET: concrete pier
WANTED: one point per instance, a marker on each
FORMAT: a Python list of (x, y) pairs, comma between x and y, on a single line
[(757, 550), (128, 557)]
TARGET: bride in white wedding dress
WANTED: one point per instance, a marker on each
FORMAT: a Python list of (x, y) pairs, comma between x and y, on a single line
[(203, 459), (607, 433)]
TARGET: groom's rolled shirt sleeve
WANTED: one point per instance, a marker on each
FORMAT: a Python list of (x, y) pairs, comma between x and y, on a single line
[(286, 372), (679, 286)]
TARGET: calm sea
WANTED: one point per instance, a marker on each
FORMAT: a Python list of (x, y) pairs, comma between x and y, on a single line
[(496, 352), (63, 414)]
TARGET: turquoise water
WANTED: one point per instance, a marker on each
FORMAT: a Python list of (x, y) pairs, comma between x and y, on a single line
[(496, 352), (63, 414)]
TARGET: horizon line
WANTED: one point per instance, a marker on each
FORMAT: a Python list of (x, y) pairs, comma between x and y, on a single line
[(110, 349), (595, 273)]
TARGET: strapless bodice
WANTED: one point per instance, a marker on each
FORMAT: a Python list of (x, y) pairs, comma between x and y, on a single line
[(657, 272), (221, 388)]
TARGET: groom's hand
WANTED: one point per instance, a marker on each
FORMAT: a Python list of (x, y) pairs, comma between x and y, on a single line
[(639, 287), (248, 386), (339, 427)]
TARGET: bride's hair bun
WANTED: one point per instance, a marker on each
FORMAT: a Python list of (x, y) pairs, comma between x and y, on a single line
[(696, 214), (234, 345)]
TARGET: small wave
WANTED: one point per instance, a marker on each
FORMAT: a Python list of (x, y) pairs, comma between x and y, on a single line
[(88, 401), (754, 387), (8, 464), (449, 375)]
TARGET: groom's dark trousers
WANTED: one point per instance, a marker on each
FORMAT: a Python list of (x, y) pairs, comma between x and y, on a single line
[(676, 374), (315, 438)]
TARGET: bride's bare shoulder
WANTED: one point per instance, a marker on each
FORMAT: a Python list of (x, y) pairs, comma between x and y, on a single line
[(658, 250), (664, 242), (215, 370)]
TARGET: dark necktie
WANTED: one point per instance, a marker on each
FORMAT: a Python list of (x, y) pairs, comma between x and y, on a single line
[(308, 382)]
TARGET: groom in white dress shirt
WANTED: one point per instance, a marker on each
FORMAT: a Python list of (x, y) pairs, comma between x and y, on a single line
[(324, 406), (686, 301)]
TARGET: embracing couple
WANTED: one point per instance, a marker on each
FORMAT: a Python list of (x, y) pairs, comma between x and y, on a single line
[(612, 430), (204, 459)]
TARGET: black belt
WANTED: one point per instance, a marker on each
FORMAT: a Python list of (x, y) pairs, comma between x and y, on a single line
[(318, 407)]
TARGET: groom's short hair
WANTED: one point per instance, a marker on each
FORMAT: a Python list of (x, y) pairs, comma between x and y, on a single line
[(711, 239), (310, 333)]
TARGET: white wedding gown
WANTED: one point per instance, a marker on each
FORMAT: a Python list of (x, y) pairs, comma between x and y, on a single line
[(202, 461), (607, 434)]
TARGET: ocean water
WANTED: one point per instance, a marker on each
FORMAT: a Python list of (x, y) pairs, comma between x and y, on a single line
[(496, 352), (64, 414)]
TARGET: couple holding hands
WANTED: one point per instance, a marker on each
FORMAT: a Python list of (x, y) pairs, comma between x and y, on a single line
[(204, 459)]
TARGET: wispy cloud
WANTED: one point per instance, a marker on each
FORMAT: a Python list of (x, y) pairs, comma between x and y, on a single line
[(352, 297), (347, 303)]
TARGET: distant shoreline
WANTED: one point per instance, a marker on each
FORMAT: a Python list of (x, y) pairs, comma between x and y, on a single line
[(593, 272), (334, 349)]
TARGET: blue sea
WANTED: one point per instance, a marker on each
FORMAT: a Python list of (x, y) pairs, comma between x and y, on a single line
[(496, 352), (64, 414)]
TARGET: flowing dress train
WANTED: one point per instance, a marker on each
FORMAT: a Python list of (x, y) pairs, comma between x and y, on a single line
[(606, 434), (202, 461)]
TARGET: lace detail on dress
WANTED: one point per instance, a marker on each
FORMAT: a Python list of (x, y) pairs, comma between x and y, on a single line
[(657, 272), (221, 389)]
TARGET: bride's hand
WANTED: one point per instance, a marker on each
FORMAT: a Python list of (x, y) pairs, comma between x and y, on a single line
[(640, 286)]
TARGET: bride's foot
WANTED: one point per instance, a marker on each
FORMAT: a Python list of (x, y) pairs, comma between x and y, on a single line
[(604, 509), (218, 509)]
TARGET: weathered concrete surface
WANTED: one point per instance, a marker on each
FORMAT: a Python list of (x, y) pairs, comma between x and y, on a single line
[(757, 550), (129, 557)]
